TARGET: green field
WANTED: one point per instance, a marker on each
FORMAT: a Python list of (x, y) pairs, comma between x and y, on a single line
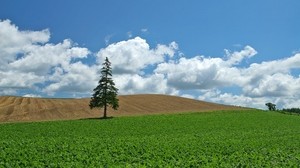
[(216, 139)]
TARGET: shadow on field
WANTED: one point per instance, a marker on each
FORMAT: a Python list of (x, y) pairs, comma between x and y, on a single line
[(97, 118)]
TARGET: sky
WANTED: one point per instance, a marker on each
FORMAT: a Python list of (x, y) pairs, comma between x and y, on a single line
[(243, 53)]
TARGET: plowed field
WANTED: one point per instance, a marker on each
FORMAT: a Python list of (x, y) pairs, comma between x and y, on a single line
[(41, 109)]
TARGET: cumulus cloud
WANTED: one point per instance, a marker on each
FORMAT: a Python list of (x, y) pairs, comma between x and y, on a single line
[(134, 55), (215, 95), (260, 82), (132, 84), (40, 59), (272, 78), (15, 79), (130, 58), (76, 78), (275, 66), (30, 61), (205, 73), (236, 57), (14, 42), (190, 73), (274, 85)]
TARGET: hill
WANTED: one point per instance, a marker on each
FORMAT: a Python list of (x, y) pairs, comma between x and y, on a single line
[(41, 109)]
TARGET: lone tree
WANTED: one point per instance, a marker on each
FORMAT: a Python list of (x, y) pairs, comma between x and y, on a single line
[(271, 106), (105, 93)]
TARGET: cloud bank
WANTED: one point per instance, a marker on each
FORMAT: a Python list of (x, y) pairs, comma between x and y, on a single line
[(31, 65)]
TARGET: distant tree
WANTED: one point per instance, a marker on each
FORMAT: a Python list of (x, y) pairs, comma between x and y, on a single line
[(271, 106), (105, 94)]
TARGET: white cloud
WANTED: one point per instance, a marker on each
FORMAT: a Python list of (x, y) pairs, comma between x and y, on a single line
[(248, 101), (133, 84), (31, 95), (216, 95), (268, 78), (187, 96), (13, 41), (199, 73), (289, 102), (21, 80), (267, 81), (8, 91), (130, 58), (76, 78), (275, 85), (18, 38), (40, 59), (30, 61), (236, 57), (133, 55), (272, 78), (275, 66), (193, 73)]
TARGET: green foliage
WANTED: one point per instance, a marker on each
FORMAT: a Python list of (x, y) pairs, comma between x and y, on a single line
[(105, 93), (271, 106), (217, 139), (292, 110)]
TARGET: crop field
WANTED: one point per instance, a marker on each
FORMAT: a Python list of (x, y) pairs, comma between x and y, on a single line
[(250, 138), (45, 109)]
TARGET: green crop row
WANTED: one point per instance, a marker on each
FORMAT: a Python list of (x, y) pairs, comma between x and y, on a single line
[(217, 139)]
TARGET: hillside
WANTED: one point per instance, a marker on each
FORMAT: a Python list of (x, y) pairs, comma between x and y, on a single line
[(40, 109)]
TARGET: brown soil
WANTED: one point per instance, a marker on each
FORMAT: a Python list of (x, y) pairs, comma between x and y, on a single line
[(41, 109)]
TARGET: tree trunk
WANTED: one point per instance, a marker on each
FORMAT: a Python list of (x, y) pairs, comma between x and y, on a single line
[(104, 115), (105, 96)]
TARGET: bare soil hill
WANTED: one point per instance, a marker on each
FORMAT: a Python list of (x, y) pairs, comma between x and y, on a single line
[(40, 109)]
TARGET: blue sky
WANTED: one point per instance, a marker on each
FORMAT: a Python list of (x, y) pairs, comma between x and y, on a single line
[(230, 52)]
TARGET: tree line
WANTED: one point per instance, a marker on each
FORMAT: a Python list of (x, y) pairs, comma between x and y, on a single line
[(292, 110)]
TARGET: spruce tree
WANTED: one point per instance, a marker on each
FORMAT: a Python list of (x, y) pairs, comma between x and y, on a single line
[(105, 94)]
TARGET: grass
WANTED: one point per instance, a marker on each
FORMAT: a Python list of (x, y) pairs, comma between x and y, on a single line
[(217, 139)]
